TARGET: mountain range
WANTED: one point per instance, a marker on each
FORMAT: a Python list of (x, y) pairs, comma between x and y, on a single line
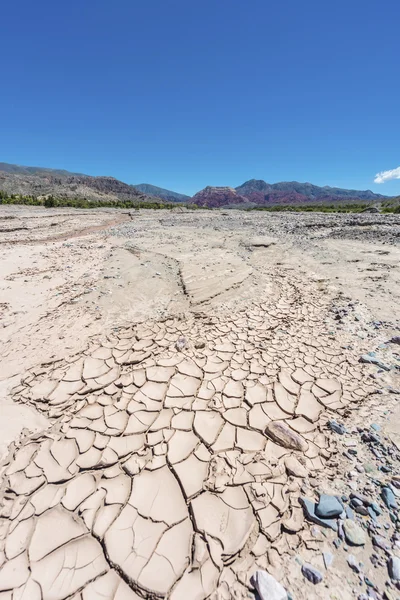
[(257, 192), (39, 181)]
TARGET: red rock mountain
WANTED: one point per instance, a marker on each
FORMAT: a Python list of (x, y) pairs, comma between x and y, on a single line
[(257, 192), (214, 197)]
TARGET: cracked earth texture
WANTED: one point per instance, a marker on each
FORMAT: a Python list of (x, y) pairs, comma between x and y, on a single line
[(177, 447), (178, 452)]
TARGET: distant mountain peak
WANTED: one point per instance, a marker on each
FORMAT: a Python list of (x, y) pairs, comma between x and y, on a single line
[(158, 192), (254, 185), (259, 192), (214, 197), (219, 188)]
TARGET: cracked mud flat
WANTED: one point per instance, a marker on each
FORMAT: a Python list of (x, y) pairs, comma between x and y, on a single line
[(173, 439)]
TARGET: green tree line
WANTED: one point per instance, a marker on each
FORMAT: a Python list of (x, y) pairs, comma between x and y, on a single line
[(391, 205), (52, 201)]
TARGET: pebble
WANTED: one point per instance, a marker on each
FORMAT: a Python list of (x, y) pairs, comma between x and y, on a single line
[(181, 344), (328, 559), (268, 587), (394, 568), (309, 509), (355, 503), (368, 582), (362, 510), (360, 498), (311, 573), (295, 468), (352, 562), (389, 498), (353, 533), (328, 507), (366, 358), (376, 509), (337, 427), (380, 542), (371, 513), (340, 530), (315, 532), (369, 468), (392, 390)]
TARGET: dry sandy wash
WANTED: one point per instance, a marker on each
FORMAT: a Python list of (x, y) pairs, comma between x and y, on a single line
[(167, 379)]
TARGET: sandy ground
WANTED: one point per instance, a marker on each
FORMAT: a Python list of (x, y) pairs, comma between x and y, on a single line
[(166, 382)]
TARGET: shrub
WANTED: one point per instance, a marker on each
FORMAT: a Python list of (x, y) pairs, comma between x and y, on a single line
[(49, 202)]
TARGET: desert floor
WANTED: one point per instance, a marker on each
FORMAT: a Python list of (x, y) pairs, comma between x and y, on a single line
[(167, 384)]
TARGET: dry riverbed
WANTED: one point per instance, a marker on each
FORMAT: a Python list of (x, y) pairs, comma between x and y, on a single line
[(191, 400)]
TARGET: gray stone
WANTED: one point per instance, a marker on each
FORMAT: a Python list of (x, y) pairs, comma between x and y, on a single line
[(337, 427), (366, 358), (362, 510), (311, 573), (389, 498), (355, 503), (353, 533), (295, 468), (361, 498), (309, 510), (352, 562), (328, 507), (376, 509), (394, 568), (328, 559), (181, 344), (380, 542), (268, 587), (369, 468), (315, 532), (281, 434)]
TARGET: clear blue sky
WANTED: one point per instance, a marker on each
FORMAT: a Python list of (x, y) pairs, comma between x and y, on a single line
[(189, 93)]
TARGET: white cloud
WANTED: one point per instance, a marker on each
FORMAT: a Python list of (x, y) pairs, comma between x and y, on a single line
[(387, 175)]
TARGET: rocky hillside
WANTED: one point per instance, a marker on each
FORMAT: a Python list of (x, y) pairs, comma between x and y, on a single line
[(293, 192), (313, 192), (215, 197), (259, 192), (157, 192), (62, 184)]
